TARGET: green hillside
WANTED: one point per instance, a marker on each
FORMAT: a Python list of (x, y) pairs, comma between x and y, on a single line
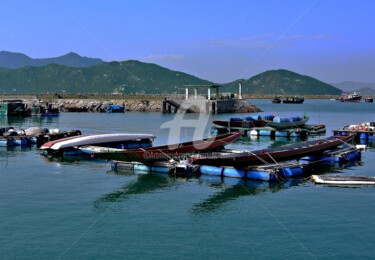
[(14, 60), (283, 82), (123, 77)]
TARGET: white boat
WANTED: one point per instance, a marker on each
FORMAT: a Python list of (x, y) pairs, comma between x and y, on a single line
[(119, 140), (343, 180)]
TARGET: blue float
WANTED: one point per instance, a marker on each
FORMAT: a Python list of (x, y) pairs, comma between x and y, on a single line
[(234, 173)]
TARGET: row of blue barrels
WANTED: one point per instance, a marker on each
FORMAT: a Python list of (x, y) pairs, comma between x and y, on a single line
[(285, 133), (345, 156), (252, 118), (255, 174), (115, 165), (22, 141), (278, 119), (363, 135)]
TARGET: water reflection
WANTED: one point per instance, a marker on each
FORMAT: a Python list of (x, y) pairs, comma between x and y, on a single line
[(146, 183), (232, 189), (23, 122)]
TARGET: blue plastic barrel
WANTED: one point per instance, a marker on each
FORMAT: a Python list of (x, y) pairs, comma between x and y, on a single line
[(265, 132), (235, 119), (211, 170), (234, 173), (292, 172), (261, 175), (268, 117), (296, 118), (281, 133), (363, 136), (142, 167)]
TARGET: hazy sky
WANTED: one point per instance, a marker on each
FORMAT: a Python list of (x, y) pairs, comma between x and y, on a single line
[(221, 41)]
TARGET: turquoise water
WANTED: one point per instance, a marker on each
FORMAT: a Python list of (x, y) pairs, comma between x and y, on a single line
[(79, 209)]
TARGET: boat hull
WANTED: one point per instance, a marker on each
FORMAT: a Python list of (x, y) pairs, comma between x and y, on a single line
[(288, 124), (343, 180), (158, 153), (101, 139), (240, 124), (282, 153)]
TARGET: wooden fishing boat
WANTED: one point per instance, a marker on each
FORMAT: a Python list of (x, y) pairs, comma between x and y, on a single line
[(165, 152), (245, 124), (343, 180), (282, 153), (276, 100), (108, 140), (280, 122), (293, 100)]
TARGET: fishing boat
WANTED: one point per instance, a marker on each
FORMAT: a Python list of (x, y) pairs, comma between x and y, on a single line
[(14, 107), (70, 145), (276, 100), (241, 122), (355, 98), (339, 180), (114, 109), (316, 129), (293, 100), (287, 122), (165, 152), (44, 109), (282, 153)]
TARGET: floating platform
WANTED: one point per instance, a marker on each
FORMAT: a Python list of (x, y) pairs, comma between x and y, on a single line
[(25, 140), (273, 132), (268, 172), (343, 180), (172, 168), (337, 156)]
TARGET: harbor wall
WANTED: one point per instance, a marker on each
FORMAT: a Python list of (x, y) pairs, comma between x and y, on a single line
[(137, 105)]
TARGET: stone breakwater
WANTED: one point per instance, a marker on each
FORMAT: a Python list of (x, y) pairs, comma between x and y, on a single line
[(136, 105), (91, 105)]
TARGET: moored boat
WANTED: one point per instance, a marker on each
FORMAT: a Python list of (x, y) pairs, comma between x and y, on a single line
[(114, 109), (355, 98), (14, 107), (288, 122), (242, 122), (282, 153), (276, 100), (343, 180), (293, 100), (165, 152), (122, 140)]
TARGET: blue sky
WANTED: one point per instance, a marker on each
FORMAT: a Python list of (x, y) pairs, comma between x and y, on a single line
[(215, 40)]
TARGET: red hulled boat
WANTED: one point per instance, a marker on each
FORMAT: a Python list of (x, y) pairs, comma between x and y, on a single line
[(165, 152), (282, 153)]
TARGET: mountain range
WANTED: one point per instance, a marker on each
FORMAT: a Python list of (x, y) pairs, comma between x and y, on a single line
[(72, 73), (367, 88), (284, 82), (12, 60)]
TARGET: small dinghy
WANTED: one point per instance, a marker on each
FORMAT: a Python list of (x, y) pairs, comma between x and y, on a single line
[(343, 180)]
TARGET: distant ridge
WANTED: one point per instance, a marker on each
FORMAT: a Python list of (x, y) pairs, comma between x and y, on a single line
[(72, 73), (283, 82), (350, 86), (14, 60), (109, 77)]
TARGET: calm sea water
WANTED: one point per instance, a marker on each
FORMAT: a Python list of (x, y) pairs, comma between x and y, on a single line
[(79, 209)]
